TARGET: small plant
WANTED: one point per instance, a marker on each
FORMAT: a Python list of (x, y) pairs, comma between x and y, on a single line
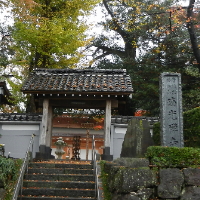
[(104, 178), (9, 171)]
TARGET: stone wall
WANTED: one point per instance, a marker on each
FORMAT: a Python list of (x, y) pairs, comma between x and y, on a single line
[(133, 179)]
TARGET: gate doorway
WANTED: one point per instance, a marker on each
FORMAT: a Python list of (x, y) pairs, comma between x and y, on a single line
[(81, 150)]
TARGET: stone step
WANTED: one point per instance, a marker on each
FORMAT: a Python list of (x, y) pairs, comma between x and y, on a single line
[(60, 165), (59, 192), (59, 184), (59, 171), (53, 198), (60, 177), (58, 180)]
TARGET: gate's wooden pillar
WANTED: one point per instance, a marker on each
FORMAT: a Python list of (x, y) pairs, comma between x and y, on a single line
[(44, 127), (45, 135), (49, 126), (107, 124)]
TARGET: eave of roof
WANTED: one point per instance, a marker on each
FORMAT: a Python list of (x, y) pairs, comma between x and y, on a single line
[(62, 81)]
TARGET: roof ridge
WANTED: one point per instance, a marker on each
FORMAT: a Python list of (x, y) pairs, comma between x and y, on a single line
[(84, 71)]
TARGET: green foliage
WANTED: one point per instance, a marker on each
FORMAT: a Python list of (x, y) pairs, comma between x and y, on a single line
[(165, 157), (191, 129), (191, 88), (5, 45), (156, 31), (9, 172), (104, 178), (47, 34), (156, 134), (7, 168)]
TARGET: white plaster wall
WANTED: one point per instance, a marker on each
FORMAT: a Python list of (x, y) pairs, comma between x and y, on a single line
[(117, 137), (83, 154), (16, 137), (17, 127)]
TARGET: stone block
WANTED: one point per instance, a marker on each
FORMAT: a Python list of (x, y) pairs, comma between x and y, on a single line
[(145, 193), (131, 180), (137, 139), (125, 197), (191, 193), (171, 181), (142, 194), (2, 193), (114, 177), (132, 162), (192, 176)]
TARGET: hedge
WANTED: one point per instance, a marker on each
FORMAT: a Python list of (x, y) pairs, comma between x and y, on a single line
[(166, 157)]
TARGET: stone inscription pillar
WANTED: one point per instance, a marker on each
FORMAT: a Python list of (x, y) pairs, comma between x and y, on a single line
[(171, 110)]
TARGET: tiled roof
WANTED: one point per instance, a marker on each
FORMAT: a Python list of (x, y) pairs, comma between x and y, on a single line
[(38, 117), (125, 119), (20, 117), (78, 80)]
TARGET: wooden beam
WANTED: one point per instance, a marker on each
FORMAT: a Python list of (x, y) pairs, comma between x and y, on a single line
[(90, 104), (78, 96), (42, 140), (107, 124), (49, 126)]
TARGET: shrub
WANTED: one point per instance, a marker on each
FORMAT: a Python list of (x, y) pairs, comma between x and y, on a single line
[(165, 157), (104, 178), (9, 172), (156, 134), (191, 121)]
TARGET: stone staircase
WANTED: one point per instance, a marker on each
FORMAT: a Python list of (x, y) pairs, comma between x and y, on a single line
[(59, 179)]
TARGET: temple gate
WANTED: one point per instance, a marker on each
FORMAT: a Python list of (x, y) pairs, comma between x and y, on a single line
[(77, 89)]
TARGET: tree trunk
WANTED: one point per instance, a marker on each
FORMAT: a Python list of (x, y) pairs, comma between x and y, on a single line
[(192, 33), (30, 107)]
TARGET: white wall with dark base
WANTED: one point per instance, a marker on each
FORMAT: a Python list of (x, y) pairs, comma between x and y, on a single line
[(118, 132), (16, 137)]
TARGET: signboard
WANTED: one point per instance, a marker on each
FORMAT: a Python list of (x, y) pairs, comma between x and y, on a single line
[(87, 125)]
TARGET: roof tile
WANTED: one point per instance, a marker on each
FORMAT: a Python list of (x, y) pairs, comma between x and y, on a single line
[(71, 80)]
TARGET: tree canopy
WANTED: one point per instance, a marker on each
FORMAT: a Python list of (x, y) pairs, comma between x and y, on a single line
[(145, 37), (148, 38), (48, 33), (45, 34)]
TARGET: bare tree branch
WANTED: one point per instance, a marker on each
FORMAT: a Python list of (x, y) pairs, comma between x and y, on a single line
[(118, 28), (108, 51)]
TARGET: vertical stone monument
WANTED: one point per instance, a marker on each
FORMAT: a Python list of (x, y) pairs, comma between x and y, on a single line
[(171, 110), (137, 139)]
